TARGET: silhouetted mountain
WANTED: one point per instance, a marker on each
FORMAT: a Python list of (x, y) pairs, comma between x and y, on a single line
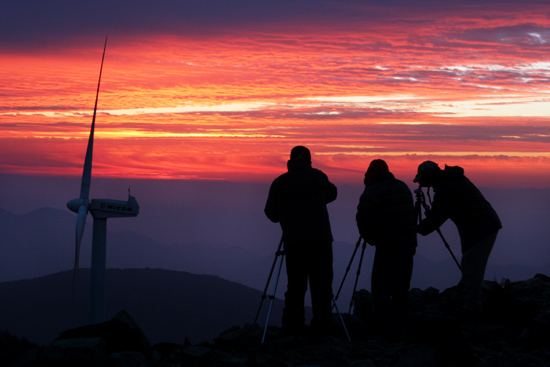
[(168, 305)]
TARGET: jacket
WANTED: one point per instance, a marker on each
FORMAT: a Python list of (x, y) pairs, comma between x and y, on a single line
[(298, 200), (457, 198), (386, 215)]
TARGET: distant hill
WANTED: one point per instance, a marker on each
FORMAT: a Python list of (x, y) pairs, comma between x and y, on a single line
[(38, 243), (168, 305), (42, 242)]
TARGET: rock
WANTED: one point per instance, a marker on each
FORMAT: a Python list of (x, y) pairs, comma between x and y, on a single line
[(126, 359), (14, 349), (77, 351), (117, 342), (538, 331), (120, 334), (419, 356), (513, 304), (238, 338)]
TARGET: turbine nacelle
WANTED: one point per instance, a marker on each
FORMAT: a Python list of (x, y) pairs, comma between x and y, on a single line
[(107, 208)]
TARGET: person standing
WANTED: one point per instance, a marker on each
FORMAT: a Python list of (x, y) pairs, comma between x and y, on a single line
[(458, 199), (298, 201), (386, 219)]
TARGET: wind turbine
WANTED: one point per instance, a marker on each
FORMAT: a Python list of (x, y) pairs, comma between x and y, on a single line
[(101, 210)]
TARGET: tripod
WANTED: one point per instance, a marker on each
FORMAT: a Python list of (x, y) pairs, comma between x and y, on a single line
[(421, 203), (280, 252), (358, 271)]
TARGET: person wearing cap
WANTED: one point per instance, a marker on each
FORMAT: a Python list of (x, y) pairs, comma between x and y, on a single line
[(386, 219), (458, 199), (298, 201)]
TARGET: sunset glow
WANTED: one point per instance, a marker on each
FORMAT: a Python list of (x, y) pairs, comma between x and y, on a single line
[(468, 87)]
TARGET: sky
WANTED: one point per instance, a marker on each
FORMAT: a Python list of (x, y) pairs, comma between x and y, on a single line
[(222, 90), (201, 102)]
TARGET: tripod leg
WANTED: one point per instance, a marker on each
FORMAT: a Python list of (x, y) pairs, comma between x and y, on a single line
[(449, 248), (269, 278), (357, 277), (272, 297), (418, 210), (348, 268), (341, 318)]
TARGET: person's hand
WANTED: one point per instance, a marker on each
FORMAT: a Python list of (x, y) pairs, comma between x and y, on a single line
[(421, 229)]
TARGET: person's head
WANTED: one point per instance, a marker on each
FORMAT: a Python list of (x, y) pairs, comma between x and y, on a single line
[(376, 167), (427, 173), (300, 153)]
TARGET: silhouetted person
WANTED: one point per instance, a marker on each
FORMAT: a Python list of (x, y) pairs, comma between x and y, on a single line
[(386, 219), (457, 198), (297, 199)]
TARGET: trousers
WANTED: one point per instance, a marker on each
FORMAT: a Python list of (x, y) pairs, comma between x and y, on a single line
[(473, 263), (390, 282), (308, 262)]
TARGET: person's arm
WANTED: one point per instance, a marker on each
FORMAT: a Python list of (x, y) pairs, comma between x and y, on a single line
[(438, 215), (271, 206), (331, 192), (367, 218)]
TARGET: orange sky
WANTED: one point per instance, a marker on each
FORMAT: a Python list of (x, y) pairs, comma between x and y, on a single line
[(468, 86)]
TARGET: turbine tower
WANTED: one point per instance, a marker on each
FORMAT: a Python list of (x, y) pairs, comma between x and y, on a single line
[(101, 210)]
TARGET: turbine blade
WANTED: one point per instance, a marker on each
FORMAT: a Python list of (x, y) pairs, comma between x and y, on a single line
[(87, 171), (80, 224)]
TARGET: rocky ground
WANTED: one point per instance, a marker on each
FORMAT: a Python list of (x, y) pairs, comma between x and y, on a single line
[(514, 330)]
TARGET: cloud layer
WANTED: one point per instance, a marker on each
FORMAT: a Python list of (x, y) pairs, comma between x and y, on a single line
[(223, 90)]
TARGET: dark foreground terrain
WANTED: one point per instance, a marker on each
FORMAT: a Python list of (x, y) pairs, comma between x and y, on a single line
[(514, 330)]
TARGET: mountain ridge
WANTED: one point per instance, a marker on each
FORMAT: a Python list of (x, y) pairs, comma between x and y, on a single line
[(169, 305)]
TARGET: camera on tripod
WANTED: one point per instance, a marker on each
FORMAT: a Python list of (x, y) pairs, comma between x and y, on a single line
[(420, 203)]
